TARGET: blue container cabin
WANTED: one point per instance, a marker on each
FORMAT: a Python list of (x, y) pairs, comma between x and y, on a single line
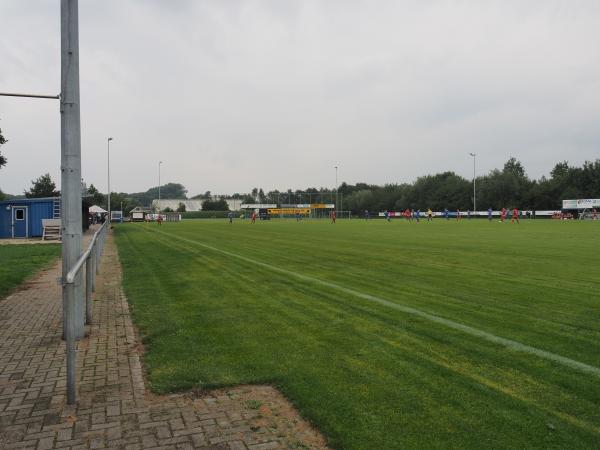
[(22, 217)]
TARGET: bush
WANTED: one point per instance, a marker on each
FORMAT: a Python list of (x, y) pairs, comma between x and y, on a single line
[(216, 205), (204, 215)]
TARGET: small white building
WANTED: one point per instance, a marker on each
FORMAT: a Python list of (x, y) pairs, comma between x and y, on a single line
[(234, 204)]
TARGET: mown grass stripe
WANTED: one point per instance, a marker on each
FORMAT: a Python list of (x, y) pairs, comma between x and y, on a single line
[(508, 343)]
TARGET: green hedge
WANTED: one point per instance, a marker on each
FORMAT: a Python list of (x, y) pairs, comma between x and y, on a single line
[(206, 214)]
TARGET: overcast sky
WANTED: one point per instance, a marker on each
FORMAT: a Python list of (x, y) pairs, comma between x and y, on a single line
[(233, 94)]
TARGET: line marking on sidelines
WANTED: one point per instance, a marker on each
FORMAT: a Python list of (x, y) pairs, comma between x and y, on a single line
[(508, 343)]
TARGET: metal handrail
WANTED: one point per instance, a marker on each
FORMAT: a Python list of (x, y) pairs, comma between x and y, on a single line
[(79, 264), (72, 302)]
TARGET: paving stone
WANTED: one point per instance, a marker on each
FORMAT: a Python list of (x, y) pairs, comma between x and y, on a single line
[(113, 409), (237, 445)]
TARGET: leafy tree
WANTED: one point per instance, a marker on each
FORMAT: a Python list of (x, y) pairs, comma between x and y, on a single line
[(201, 196), (560, 171), (272, 196), (590, 178), (121, 200), (181, 207), (167, 209), (169, 190), (360, 200), (262, 198), (514, 167), (215, 205), (504, 188), (43, 186), (97, 197), (247, 198)]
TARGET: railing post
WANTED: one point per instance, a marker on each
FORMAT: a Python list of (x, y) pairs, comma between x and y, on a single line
[(97, 255), (70, 313), (88, 289), (94, 266)]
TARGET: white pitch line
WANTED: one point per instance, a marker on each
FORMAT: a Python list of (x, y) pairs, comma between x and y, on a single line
[(508, 343)]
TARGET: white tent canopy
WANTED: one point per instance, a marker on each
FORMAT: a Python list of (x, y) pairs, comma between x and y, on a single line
[(96, 209)]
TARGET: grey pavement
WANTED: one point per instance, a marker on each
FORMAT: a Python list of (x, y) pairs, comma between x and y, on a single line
[(114, 409)]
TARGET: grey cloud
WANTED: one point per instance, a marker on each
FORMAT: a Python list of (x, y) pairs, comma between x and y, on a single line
[(236, 94)]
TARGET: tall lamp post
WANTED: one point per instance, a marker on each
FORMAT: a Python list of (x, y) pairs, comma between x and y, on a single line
[(336, 189), (108, 167), (474, 191), (159, 164)]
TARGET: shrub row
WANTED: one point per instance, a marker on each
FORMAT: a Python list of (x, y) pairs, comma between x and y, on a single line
[(205, 215)]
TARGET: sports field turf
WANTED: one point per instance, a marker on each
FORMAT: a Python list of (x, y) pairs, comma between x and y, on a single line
[(17, 262), (384, 335)]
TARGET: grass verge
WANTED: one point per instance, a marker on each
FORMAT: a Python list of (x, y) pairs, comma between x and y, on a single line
[(19, 262), (367, 375)]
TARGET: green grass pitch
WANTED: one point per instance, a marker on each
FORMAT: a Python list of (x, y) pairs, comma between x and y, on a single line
[(382, 334), (17, 262)]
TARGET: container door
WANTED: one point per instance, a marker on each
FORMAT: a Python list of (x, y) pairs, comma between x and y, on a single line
[(19, 221)]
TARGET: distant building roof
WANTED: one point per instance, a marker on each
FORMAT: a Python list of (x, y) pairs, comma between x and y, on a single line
[(141, 209), (96, 209), (30, 200), (190, 205), (194, 205)]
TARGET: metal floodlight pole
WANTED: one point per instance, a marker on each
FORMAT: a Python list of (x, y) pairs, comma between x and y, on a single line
[(70, 183), (159, 164), (474, 191), (336, 189), (108, 171)]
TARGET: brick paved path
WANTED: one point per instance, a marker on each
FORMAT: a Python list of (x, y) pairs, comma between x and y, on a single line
[(114, 410)]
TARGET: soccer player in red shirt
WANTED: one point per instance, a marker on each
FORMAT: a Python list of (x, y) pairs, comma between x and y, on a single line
[(253, 217), (515, 216), (503, 214), (332, 216)]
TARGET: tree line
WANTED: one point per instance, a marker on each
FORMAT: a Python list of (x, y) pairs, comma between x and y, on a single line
[(507, 187)]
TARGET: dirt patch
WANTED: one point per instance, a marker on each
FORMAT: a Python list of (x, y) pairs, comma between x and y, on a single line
[(263, 407)]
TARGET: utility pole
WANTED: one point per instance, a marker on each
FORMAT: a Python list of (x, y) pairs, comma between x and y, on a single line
[(474, 191), (108, 166), (70, 132), (336, 190), (159, 164)]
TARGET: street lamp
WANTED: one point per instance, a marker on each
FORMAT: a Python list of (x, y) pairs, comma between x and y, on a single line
[(336, 189), (108, 164), (474, 192), (159, 164)]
